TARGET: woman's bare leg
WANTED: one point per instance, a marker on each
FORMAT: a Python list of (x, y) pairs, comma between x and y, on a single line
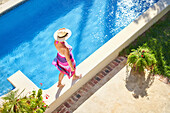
[(61, 75), (75, 77)]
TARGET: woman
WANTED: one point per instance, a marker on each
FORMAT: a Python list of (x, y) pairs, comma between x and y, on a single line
[(64, 60)]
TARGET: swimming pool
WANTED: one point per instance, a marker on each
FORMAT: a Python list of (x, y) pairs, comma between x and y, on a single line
[(26, 38)]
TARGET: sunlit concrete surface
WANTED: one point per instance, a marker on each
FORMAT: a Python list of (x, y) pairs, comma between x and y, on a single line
[(124, 94)]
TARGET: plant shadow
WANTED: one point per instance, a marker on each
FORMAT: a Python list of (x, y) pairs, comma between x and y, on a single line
[(138, 83)]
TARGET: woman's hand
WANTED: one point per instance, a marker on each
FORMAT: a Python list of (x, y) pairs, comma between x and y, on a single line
[(72, 69)]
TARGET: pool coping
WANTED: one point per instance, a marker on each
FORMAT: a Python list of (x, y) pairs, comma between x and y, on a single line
[(103, 56), (9, 5)]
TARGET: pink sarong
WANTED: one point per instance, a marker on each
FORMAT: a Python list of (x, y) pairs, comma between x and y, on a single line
[(61, 63)]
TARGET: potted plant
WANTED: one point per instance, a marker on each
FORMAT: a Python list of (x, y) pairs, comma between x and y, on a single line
[(141, 59)]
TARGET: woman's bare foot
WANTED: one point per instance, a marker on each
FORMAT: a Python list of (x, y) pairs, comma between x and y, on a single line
[(75, 77), (60, 85)]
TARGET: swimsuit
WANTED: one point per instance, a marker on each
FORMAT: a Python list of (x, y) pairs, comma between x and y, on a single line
[(61, 63)]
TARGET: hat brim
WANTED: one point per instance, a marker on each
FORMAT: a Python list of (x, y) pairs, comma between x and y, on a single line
[(64, 38)]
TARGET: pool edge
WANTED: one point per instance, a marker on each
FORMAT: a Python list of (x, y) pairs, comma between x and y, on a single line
[(11, 4)]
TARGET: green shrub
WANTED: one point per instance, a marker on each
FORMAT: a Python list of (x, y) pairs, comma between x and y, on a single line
[(157, 39), (13, 103)]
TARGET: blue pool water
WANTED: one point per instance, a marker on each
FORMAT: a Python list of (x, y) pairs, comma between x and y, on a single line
[(26, 33)]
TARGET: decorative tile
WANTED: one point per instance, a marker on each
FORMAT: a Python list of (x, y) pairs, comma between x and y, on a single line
[(75, 99), (91, 83), (94, 81), (70, 101), (78, 96), (67, 105), (117, 60), (97, 78), (109, 68)]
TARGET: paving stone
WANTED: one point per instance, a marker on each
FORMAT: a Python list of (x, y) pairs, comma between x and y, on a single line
[(100, 76), (117, 60), (67, 112), (67, 105), (115, 63), (74, 98), (97, 78), (91, 83), (107, 71), (87, 86), (70, 101), (109, 68), (62, 111), (80, 91), (103, 73), (60, 107), (84, 89), (112, 65), (78, 96), (94, 81), (120, 58)]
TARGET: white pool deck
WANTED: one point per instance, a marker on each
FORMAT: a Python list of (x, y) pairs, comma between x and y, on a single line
[(101, 57), (8, 5)]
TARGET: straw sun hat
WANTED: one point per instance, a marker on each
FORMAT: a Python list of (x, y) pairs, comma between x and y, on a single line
[(62, 34)]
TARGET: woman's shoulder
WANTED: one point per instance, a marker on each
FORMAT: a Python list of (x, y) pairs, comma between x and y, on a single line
[(68, 46), (56, 42)]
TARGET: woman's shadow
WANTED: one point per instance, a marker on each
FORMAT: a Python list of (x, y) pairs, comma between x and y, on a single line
[(60, 88), (138, 82), (58, 92)]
